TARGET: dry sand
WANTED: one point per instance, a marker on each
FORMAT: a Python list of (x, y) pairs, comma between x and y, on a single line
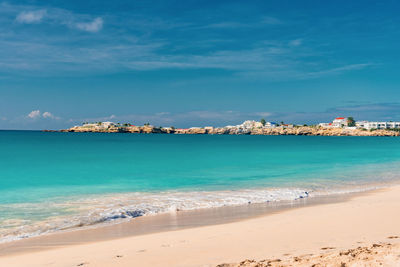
[(362, 231), (374, 255)]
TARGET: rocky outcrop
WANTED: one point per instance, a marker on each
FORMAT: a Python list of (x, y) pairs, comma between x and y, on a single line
[(133, 129), (232, 130), (318, 131), (83, 129)]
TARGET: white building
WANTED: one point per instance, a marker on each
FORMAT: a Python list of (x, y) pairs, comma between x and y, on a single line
[(339, 122), (98, 125), (270, 124), (336, 123), (377, 125), (393, 124), (325, 124), (250, 125), (107, 124), (342, 122)]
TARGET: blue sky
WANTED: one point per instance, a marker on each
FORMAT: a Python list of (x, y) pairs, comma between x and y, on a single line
[(197, 63)]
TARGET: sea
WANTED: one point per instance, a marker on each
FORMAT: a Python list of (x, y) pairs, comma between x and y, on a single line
[(51, 181)]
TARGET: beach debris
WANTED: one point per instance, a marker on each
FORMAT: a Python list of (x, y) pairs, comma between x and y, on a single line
[(326, 248)]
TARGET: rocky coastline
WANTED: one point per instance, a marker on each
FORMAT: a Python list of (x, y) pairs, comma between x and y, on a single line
[(233, 130)]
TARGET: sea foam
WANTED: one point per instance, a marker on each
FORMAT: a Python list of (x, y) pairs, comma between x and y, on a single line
[(115, 208)]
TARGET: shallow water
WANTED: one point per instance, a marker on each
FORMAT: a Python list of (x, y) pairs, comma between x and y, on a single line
[(53, 181)]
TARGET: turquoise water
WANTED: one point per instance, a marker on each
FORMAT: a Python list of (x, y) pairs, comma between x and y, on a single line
[(53, 181)]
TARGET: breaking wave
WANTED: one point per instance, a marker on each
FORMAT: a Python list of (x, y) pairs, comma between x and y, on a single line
[(98, 210)]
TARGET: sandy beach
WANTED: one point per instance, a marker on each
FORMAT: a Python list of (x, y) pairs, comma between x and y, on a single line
[(199, 133), (364, 228)]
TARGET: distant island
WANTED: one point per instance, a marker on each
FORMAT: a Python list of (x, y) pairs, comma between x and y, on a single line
[(340, 126)]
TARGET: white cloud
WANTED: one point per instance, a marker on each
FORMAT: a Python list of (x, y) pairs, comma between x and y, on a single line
[(233, 24), (34, 114), (296, 42), (263, 114), (48, 115), (41, 54), (30, 16), (94, 26), (339, 70)]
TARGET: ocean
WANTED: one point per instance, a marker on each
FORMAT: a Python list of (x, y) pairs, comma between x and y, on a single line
[(57, 181)]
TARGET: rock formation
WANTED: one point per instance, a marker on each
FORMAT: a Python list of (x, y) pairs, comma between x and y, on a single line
[(236, 130)]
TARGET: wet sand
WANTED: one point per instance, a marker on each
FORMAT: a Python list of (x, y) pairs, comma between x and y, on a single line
[(163, 222), (190, 239)]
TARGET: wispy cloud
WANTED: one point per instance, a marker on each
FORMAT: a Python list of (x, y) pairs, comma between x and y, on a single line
[(93, 26), (375, 110), (107, 51), (30, 16), (271, 20), (26, 14), (296, 42), (225, 25), (266, 61), (264, 21), (341, 69)]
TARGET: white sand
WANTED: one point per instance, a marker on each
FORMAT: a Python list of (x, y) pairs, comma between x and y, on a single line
[(361, 221)]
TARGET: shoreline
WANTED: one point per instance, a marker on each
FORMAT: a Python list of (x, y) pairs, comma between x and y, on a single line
[(180, 218), (239, 229), (164, 222)]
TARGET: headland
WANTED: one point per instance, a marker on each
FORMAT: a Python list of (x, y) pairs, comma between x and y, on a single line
[(246, 128)]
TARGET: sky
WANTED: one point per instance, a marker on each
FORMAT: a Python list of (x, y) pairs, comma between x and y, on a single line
[(197, 63)]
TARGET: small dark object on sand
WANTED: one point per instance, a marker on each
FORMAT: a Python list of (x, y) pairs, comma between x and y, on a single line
[(325, 248)]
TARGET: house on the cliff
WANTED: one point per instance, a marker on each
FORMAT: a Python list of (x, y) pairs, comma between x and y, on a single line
[(338, 122), (342, 122), (378, 125), (107, 124), (270, 124), (249, 125)]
